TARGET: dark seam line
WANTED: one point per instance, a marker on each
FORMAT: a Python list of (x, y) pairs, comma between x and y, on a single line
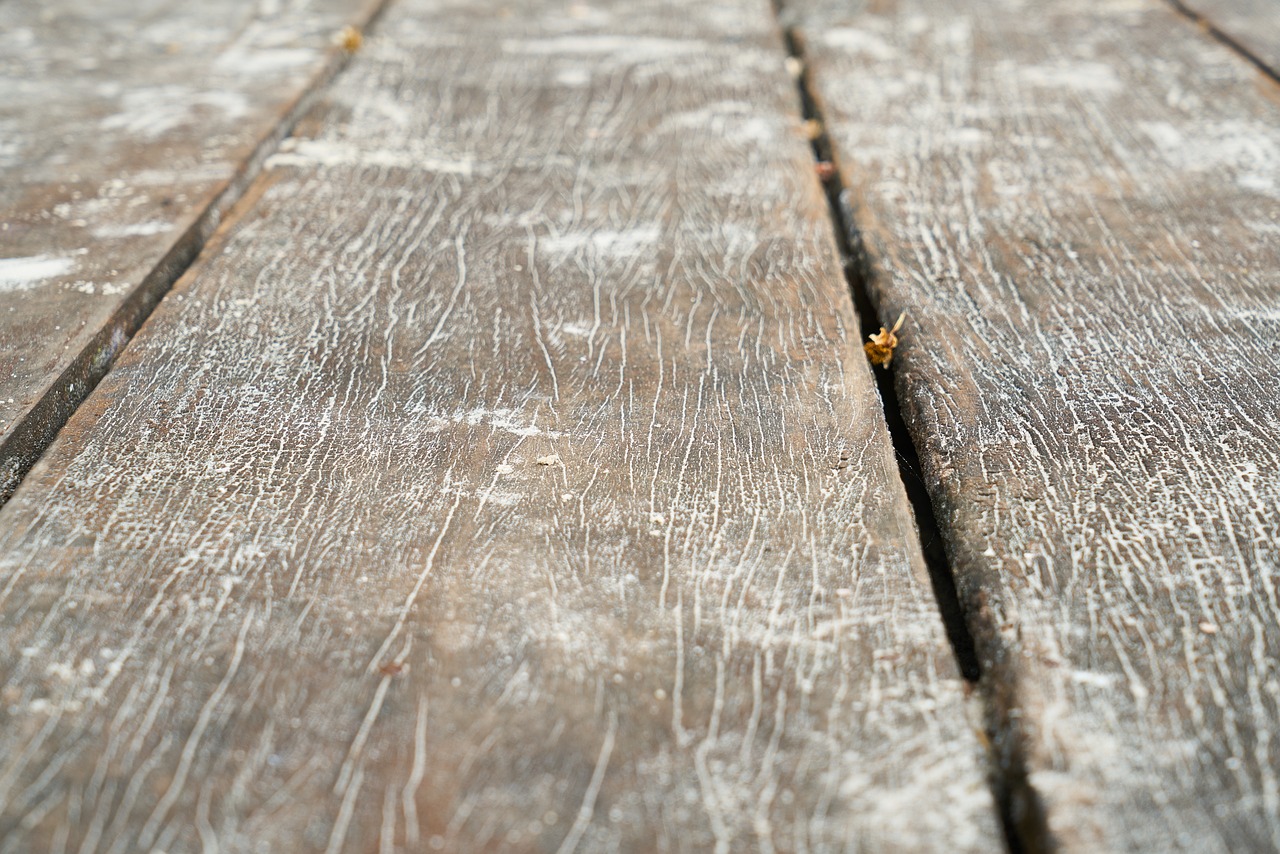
[(1226, 39), (1020, 810), (35, 431)]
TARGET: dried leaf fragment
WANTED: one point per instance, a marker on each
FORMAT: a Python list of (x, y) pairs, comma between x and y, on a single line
[(880, 348), (350, 39)]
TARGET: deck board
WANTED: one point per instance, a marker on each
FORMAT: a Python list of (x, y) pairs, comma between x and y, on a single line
[(505, 476), (1076, 205), (126, 130), (1252, 24)]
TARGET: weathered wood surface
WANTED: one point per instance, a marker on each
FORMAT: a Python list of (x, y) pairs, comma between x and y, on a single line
[(508, 477), (1253, 25), (1076, 203), (126, 130)]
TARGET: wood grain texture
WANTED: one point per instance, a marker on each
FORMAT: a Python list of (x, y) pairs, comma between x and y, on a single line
[(1076, 204), (126, 131), (507, 478), (1253, 25)]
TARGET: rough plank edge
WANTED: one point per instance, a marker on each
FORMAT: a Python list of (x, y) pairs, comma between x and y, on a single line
[(34, 430)]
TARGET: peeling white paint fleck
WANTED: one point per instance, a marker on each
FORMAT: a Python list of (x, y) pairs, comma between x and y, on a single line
[(20, 274), (135, 229), (618, 244), (156, 110), (320, 152), (624, 48), (860, 41)]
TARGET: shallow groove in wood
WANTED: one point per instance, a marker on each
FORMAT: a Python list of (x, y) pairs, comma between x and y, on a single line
[(506, 475), (71, 308)]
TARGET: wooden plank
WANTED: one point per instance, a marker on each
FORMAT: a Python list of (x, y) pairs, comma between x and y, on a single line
[(126, 130), (1252, 25), (1076, 205), (508, 477)]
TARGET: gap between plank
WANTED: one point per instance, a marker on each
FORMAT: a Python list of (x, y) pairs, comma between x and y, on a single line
[(1020, 809), (1226, 39), (38, 428)]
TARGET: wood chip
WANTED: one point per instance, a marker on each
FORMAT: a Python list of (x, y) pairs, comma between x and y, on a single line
[(880, 348)]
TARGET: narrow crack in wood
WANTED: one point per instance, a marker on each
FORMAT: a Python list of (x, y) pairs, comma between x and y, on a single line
[(1225, 38), (1021, 811), (35, 431)]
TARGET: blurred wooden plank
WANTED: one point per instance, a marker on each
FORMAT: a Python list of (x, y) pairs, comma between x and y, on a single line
[(1253, 25), (507, 477), (126, 130), (1076, 204)]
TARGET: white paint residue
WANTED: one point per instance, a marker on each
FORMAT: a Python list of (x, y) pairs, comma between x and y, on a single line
[(1093, 679), (387, 106), (966, 137), (735, 121), (320, 152), (507, 420), (860, 41), (1258, 182), (156, 110), (624, 48), (254, 62), (1251, 149), (576, 330), (1164, 135), (1081, 76), (135, 229), (616, 244), (20, 274), (10, 153), (573, 77)]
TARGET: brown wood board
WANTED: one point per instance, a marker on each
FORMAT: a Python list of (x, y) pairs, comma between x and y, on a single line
[(126, 130), (1076, 204), (506, 476), (1251, 25)]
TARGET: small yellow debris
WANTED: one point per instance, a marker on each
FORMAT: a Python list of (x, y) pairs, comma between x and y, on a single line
[(880, 348), (1208, 628), (812, 129), (548, 460), (350, 39), (794, 66)]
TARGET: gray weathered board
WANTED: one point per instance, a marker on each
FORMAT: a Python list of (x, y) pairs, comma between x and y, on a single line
[(1252, 24), (506, 475), (127, 127), (1078, 206)]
